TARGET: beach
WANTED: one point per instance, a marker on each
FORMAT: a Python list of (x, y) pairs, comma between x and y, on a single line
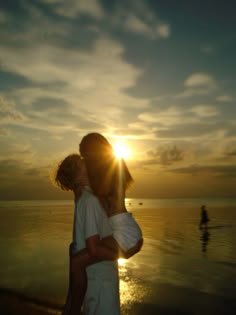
[(178, 271), (168, 301), (13, 303)]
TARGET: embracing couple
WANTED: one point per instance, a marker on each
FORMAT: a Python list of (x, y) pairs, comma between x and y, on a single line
[(103, 230)]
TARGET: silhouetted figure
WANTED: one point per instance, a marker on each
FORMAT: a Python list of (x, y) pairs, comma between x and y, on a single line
[(204, 218)]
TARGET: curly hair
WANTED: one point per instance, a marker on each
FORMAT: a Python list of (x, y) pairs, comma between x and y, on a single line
[(67, 172)]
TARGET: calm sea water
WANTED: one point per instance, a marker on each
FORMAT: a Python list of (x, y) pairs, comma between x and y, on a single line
[(176, 256)]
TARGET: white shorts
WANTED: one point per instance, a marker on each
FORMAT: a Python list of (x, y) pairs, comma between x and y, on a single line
[(125, 230)]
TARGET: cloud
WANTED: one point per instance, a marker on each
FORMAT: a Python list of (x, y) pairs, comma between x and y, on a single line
[(163, 30), (231, 153), (163, 117), (8, 113), (9, 166), (71, 87), (76, 8), (225, 98), (18, 151), (205, 111), (142, 20), (199, 80), (178, 115), (198, 124), (167, 156), (3, 17), (80, 70), (3, 132), (153, 30), (133, 23), (18, 176), (215, 170), (193, 131), (194, 92)]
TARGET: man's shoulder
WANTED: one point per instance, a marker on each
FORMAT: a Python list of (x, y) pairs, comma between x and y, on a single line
[(87, 193), (88, 197)]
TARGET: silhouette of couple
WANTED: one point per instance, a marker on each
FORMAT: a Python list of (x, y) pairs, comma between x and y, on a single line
[(103, 230)]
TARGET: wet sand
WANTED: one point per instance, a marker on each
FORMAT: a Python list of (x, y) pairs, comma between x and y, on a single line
[(169, 301), (14, 303)]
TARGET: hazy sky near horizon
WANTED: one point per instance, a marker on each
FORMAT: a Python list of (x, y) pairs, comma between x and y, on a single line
[(159, 75)]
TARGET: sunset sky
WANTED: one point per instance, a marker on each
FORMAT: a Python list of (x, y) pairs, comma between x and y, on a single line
[(159, 75)]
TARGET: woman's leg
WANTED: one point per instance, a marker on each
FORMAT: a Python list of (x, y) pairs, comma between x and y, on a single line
[(78, 284)]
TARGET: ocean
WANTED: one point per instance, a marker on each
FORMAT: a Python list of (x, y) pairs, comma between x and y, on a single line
[(180, 269)]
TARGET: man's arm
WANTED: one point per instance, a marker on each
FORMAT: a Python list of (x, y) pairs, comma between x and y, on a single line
[(105, 249), (95, 251)]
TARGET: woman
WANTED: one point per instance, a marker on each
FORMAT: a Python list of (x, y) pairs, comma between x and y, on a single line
[(109, 178)]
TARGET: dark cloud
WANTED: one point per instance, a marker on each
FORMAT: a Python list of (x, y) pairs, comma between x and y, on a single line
[(16, 169), (11, 81), (8, 166), (167, 156), (49, 104), (231, 153), (190, 130), (215, 170)]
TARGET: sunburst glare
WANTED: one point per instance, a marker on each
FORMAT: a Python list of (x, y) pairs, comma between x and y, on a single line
[(121, 150), (121, 262)]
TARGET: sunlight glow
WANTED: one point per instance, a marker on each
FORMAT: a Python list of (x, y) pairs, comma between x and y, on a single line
[(121, 150), (121, 262)]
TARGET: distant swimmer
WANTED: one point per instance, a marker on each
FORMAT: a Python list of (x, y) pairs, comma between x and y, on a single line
[(204, 218)]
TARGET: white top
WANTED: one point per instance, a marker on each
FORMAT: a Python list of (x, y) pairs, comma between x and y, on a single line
[(89, 219), (102, 295)]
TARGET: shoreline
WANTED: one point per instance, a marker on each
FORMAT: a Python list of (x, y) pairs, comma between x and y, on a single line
[(16, 303), (170, 300)]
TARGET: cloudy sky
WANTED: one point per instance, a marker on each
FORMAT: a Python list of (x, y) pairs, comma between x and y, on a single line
[(158, 75)]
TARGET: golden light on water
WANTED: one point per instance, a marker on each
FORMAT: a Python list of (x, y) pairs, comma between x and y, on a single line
[(131, 289), (121, 150), (121, 262)]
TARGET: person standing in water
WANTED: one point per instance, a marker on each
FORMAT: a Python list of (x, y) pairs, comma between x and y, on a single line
[(204, 218)]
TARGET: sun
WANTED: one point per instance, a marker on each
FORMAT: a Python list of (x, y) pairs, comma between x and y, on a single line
[(121, 150)]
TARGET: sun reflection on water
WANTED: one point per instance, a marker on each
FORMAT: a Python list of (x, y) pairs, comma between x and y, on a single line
[(131, 289), (121, 262)]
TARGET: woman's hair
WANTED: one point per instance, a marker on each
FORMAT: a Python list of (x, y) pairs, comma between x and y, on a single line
[(106, 173), (67, 172)]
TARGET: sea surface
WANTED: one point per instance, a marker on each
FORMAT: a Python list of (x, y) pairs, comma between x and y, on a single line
[(178, 264)]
